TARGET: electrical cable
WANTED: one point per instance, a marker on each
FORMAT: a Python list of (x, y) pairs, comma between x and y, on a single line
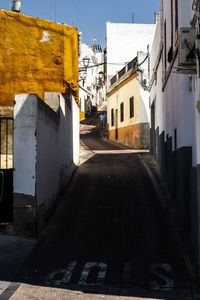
[(143, 60), (121, 63)]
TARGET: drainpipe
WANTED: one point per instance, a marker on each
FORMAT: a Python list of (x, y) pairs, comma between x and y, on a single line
[(16, 6)]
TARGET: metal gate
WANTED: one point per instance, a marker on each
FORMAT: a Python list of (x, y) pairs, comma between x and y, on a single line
[(6, 169)]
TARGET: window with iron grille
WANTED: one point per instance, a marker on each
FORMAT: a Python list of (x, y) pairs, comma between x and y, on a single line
[(131, 101), (112, 117), (122, 111), (113, 80)]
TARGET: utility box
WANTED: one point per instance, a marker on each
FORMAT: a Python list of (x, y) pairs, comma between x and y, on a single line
[(187, 46)]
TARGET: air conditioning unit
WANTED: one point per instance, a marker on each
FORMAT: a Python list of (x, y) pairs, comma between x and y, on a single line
[(187, 46)]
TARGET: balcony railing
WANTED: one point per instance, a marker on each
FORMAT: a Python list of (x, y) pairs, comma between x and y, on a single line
[(113, 80), (121, 72), (132, 64), (129, 66)]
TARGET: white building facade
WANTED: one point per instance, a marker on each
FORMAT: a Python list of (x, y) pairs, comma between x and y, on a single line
[(90, 81), (128, 54), (124, 40), (175, 119)]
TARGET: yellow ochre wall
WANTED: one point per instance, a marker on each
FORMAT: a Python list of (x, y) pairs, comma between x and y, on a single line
[(82, 115), (36, 56), (128, 130)]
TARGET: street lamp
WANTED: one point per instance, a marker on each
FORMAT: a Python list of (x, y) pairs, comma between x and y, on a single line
[(83, 70), (86, 61)]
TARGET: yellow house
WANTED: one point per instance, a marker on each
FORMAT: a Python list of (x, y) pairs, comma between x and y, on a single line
[(127, 112), (36, 56)]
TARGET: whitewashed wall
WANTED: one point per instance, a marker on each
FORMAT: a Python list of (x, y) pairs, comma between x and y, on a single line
[(175, 109), (25, 144), (75, 132), (46, 152), (124, 41), (177, 94), (156, 94)]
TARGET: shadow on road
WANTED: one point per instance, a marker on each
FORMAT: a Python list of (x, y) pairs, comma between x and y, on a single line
[(109, 237)]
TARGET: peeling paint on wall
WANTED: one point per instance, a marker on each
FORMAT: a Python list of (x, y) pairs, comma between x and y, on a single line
[(46, 37)]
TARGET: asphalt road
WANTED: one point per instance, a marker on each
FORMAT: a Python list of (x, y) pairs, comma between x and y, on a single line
[(110, 235)]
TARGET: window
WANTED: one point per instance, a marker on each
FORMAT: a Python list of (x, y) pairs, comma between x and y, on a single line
[(122, 111), (112, 117), (131, 107)]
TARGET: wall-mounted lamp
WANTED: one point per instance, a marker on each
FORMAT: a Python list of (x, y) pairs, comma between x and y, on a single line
[(86, 61), (83, 70)]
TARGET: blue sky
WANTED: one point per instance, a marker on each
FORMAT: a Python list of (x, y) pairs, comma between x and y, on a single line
[(90, 16)]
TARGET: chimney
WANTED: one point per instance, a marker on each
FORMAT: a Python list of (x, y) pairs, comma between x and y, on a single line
[(16, 6)]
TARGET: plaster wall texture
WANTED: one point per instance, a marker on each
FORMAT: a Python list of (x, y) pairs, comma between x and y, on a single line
[(45, 151), (156, 94), (131, 131), (82, 97), (196, 125), (37, 56), (54, 150), (75, 131), (173, 109), (178, 92), (155, 46), (144, 115), (124, 41), (25, 143), (185, 13), (156, 97), (123, 94)]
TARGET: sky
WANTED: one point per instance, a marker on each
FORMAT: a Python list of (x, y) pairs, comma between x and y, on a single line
[(90, 16)]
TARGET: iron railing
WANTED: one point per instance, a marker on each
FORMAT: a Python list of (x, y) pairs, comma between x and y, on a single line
[(113, 80), (6, 143), (121, 72), (129, 66), (132, 63)]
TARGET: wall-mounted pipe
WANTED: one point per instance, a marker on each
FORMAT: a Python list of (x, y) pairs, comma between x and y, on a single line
[(16, 6)]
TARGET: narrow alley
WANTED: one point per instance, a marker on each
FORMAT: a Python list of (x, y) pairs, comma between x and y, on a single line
[(109, 237)]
